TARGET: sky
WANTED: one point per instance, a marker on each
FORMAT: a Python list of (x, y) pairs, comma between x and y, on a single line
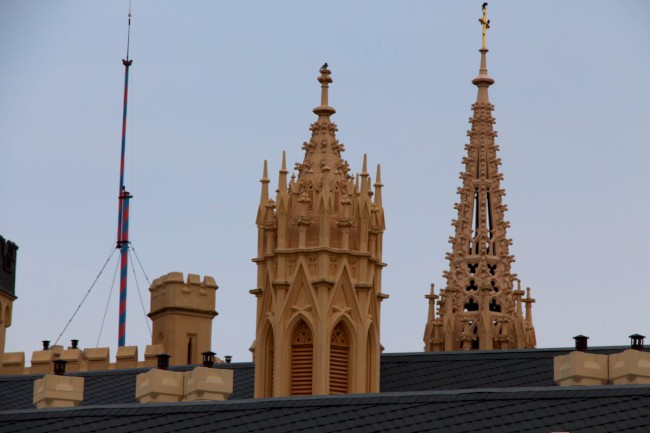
[(218, 87)]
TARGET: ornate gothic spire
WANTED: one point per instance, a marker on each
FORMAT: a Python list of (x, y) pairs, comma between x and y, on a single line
[(479, 308), (319, 271)]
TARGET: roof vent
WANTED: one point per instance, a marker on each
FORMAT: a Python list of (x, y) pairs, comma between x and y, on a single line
[(637, 341), (163, 361), (581, 342), (228, 359), (46, 344), (74, 344), (208, 358), (59, 367)]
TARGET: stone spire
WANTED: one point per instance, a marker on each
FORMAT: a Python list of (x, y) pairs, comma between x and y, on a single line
[(479, 308), (319, 271)]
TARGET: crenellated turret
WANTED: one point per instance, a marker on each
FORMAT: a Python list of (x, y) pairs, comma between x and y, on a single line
[(478, 309), (319, 271)]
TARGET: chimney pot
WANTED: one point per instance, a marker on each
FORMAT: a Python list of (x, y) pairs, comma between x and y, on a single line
[(228, 358), (59, 367), (75, 344), (46, 344), (208, 358), (163, 361), (637, 341), (581, 342)]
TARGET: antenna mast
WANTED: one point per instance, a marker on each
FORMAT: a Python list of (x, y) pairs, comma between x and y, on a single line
[(123, 199)]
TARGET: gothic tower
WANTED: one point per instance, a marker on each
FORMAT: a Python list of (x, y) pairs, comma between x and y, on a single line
[(319, 262), (479, 308), (8, 255)]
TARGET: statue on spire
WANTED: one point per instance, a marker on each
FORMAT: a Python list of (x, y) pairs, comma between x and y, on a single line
[(485, 24)]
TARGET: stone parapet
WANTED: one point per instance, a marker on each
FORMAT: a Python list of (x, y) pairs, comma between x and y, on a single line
[(13, 363), (77, 360), (58, 391), (97, 358), (205, 383), (580, 368), (42, 361), (150, 354), (629, 367), (172, 290), (74, 358), (126, 357)]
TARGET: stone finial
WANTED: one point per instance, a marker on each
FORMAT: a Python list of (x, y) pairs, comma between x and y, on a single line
[(324, 110)]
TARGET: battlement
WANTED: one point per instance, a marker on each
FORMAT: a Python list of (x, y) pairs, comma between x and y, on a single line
[(80, 360), (172, 291)]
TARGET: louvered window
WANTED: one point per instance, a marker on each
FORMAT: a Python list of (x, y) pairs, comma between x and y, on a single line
[(339, 361), (302, 356)]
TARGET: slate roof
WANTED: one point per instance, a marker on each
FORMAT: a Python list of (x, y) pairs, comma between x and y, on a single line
[(425, 371), (547, 409), (509, 390), (110, 386)]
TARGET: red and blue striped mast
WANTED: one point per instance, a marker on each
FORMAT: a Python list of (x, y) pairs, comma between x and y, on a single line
[(123, 209)]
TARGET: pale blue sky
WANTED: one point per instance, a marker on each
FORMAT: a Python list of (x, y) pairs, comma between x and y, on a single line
[(218, 87)]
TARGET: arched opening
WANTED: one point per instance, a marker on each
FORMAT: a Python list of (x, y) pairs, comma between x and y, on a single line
[(471, 305), (302, 357), (268, 363), (494, 306), (475, 342), (340, 360), (371, 367)]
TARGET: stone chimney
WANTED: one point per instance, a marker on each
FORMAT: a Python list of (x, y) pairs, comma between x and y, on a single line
[(57, 390), (580, 367)]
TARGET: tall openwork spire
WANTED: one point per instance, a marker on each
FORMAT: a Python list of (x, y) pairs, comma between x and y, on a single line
[(319, 262), (480, 308)]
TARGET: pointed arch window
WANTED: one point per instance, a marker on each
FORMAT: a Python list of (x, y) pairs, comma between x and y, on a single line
[(268, 363), (340, 360), (302, 357)]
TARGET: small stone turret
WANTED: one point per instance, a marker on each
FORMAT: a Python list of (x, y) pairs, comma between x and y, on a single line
[(182, 313)]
